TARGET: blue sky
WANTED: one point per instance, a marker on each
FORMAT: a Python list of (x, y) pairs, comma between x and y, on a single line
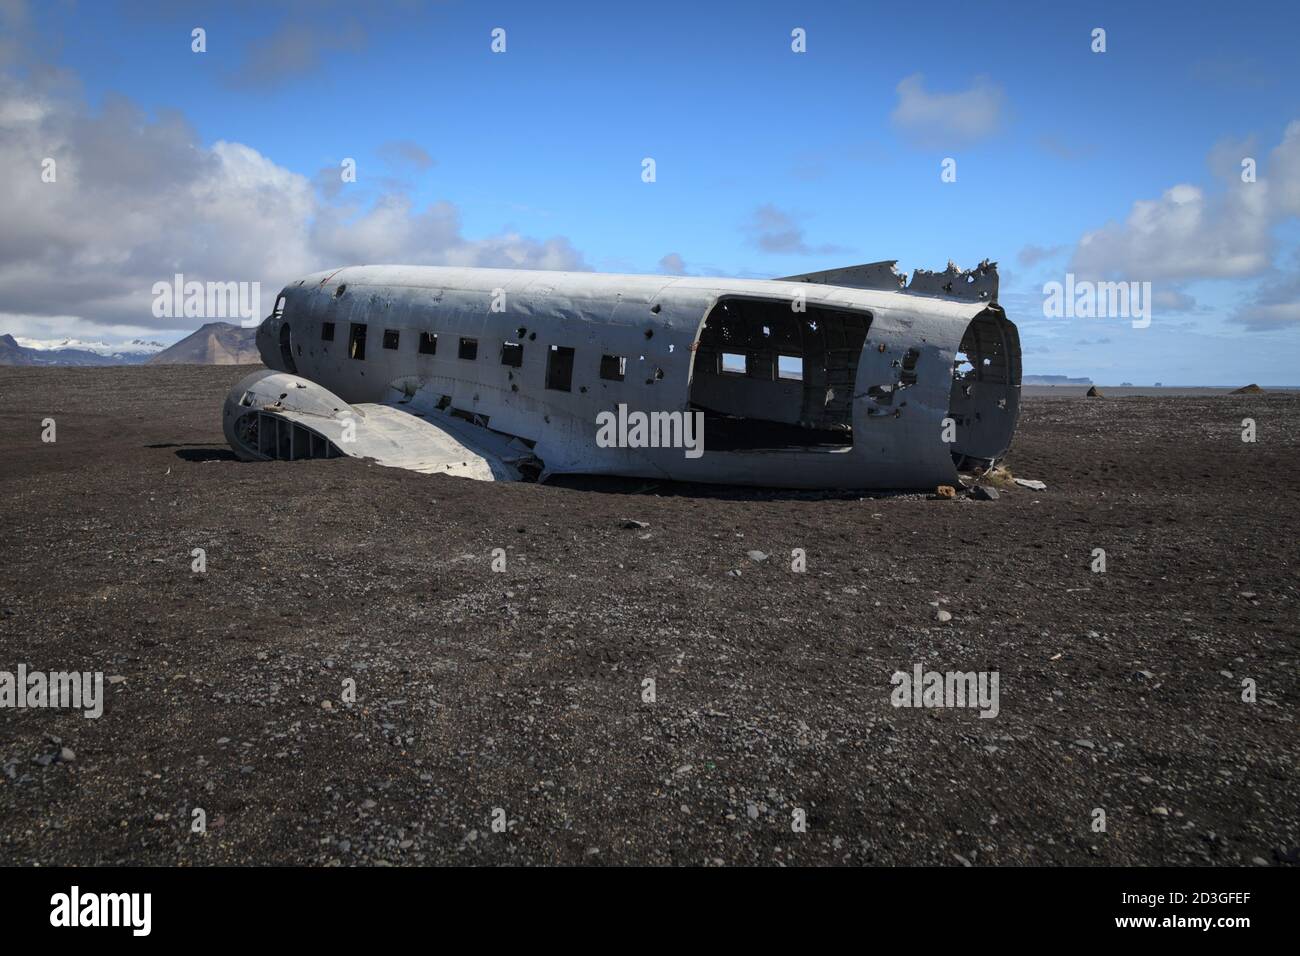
[(768, 162)]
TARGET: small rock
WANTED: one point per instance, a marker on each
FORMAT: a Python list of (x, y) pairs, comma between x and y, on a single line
[(1160, 811), (942, 616), (756, 555), (946, 491), (1085, 743), (1094, 392), (984, 493), (67, 754), (326, 705), (631, 524), (1031, 483)]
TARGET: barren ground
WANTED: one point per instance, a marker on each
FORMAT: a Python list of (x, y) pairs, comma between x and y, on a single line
[(522, 690)]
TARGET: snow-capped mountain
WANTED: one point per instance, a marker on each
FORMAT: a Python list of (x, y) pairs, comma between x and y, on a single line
[(25, 351), (117, 350)]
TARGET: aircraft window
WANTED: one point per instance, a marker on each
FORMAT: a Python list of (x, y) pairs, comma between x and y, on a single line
[(790, 367), (357, 341), (733, 364), (613, 368), (559, 368), (512, 354), (327, 331), (469, 349), (391, 338), (428, 343)]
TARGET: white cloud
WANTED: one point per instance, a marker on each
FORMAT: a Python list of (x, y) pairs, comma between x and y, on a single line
[(672, 264), (1277, 302), (948, 119), (1189, 234), (139, 198), (1031, 254), (405, 152), (773, 230), (294, 49), (1172, 300), (1183, 235)]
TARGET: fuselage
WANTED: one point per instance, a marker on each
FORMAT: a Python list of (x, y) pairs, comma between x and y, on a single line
[(802, 385)]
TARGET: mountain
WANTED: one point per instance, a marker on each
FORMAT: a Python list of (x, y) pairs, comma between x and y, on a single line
[(11, 353), (74, 352), (217, 343)]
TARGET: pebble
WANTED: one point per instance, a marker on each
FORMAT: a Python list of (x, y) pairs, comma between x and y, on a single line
[(942, 616)]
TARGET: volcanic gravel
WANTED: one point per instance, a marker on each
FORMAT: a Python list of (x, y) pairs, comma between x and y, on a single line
[(502, 716)]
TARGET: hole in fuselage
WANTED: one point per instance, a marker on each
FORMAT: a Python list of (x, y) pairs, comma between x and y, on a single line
[(984, 399), (769, 377)]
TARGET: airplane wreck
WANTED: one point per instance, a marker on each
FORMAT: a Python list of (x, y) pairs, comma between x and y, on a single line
[(848, 378)]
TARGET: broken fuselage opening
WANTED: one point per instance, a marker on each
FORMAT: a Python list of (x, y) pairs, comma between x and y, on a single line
[(776, 373), (985, 399), (259, 435)]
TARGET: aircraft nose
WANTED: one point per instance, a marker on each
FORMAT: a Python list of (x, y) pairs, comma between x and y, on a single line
[(268, 338)]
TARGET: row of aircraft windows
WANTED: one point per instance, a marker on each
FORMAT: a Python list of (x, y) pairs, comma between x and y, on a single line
[(559, 358)]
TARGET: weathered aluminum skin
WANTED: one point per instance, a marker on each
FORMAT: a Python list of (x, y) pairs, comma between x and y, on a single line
[(656, 322)]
